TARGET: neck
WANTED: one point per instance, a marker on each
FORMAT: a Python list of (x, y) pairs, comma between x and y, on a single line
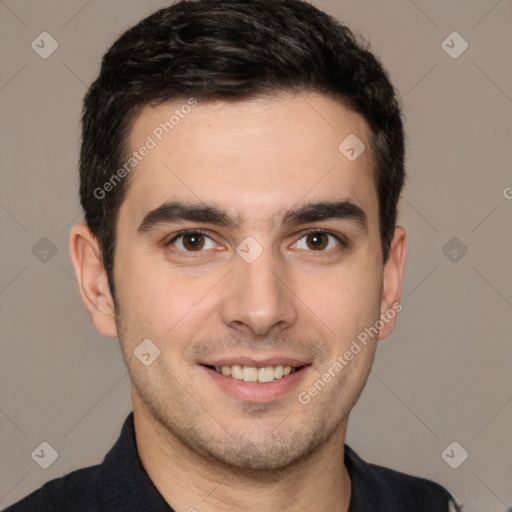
[(192, 482)]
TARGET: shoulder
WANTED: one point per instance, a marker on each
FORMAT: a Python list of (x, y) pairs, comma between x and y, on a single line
[(379, 488), (75, 491)]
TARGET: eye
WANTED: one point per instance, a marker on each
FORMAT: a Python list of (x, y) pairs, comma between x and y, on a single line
[(192, 241), (319, 241)]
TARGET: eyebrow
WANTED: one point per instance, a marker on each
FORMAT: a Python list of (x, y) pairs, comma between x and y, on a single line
[(175, 211)]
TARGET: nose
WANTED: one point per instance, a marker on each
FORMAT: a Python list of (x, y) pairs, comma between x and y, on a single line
[(258, 295)]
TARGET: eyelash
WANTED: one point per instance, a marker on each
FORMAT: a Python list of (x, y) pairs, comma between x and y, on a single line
[(339, 238)]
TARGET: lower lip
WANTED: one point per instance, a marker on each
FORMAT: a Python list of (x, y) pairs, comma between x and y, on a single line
[(257, 392)]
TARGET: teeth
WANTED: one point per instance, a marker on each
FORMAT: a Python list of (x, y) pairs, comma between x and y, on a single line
[(236, 371), (266, 374), (249, 374), (252, 374)]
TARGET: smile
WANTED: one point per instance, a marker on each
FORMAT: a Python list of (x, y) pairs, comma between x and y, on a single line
[(253, 374)]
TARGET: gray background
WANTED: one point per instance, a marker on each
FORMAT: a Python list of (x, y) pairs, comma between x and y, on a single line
[(443, 376)]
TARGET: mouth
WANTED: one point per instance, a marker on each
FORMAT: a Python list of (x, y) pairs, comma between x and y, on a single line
[(263, 375), (252, 379)]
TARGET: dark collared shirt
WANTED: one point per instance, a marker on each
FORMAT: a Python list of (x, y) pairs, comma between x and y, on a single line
[(121, 484)]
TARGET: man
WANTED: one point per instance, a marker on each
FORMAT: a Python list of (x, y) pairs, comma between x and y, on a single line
[(240, 171)]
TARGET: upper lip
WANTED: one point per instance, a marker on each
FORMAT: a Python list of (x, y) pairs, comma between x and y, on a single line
[(257, 363)]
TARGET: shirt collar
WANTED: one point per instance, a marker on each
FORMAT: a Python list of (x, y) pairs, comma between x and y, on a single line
[(125, 485)]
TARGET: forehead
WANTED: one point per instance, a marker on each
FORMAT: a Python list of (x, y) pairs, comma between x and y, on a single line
[(255, 158)]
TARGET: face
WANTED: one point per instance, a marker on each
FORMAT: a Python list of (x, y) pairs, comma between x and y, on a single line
[(248, 252)]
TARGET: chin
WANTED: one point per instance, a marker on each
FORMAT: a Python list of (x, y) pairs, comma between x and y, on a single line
[(270, 453)]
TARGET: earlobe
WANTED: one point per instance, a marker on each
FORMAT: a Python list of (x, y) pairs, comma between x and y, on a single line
[(92, 279), (392, 283)]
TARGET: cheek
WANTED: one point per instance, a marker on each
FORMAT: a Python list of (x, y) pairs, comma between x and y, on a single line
[(346, 298), (155, 300)]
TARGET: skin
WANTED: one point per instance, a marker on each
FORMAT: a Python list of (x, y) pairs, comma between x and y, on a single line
[(202, 447)]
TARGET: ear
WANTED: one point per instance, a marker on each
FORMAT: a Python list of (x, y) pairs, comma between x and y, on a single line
[(92, 279), (392, 283)]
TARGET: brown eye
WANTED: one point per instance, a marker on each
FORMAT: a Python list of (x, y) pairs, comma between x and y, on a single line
[(193, 241), (317, 241)]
